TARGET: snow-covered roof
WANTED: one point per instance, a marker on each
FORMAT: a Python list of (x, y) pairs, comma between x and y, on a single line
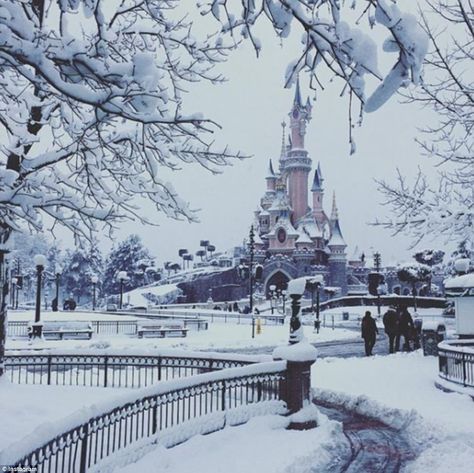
[(303, 238), (336, 236), (465, 282), (283, 222), (280, 203)]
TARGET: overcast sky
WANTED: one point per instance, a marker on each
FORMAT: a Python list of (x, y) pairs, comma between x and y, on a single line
[(250, 107)]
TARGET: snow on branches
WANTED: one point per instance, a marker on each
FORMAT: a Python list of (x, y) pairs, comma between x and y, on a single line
[(91, 109), (447, 208), (332, 37)]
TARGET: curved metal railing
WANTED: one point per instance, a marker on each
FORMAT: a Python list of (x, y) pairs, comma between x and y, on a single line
[(154, 412), (456, 361), (113, 370)]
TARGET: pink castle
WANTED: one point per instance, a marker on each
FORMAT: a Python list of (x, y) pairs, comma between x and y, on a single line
[(294, 238)]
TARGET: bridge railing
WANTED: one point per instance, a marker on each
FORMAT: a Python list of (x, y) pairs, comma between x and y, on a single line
[(456, 362), (113, 370), (166, 408)]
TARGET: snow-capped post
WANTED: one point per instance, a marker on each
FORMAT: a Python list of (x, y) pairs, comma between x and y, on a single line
[(299, 355), (121, 277), (37, 328), (94, 280)]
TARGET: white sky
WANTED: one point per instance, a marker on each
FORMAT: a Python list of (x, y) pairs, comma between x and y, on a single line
[(250, 108)]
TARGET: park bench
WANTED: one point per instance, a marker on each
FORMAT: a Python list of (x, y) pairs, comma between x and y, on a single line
[(59, 330), (160, 329)]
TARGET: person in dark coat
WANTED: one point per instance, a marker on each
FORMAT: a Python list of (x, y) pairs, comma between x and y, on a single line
[(406, 327), (390, 322), (369, 332)]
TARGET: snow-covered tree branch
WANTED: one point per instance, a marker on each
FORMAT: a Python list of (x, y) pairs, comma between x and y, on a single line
[(91, 108), (447, 208)]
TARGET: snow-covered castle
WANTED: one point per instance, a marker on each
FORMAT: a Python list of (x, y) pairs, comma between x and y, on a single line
[(294, 238)]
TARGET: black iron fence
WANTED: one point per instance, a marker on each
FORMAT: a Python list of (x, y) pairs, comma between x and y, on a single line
[(456, 362), (172, 406), (96, 370), (108, 327)]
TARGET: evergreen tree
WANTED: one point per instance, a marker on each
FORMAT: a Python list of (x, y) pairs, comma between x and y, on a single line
[(131, 256), (80, 266)]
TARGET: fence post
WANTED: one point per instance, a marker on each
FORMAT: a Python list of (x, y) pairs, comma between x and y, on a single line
[(106, 365), (223, 396), (463, 369), (297, 388), (83, 460), (49, 369), (159, 368)]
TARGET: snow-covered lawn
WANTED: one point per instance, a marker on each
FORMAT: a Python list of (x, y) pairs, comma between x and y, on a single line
[(220, 335), (399, 390)]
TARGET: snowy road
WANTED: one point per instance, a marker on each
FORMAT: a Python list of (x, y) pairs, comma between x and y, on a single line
[(372, 446), (337, 348)]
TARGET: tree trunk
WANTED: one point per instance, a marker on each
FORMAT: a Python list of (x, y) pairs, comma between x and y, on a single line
[(3, 309), (414, 296)]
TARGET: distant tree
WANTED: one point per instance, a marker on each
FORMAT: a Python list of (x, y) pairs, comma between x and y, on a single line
[(126, 256), (188, 258), (211, 249), (413, 273), (201, 254), (80, 266)]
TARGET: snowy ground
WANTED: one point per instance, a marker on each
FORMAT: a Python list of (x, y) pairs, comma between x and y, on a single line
[(262, 445), (25, 408), (399, 390), (219, 335)]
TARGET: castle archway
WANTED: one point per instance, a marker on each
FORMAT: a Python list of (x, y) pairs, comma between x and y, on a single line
[(279, 278)]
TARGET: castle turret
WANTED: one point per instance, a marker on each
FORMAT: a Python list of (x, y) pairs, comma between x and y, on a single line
[(271, 177), (337, 256), (297, 164)]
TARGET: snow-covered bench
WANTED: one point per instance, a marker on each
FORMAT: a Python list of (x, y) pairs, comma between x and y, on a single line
[(58, 330), (160, 329)]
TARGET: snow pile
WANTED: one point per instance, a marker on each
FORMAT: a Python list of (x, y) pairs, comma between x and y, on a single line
[(301, 351), (262, 445), (144, 296), (399, 390)]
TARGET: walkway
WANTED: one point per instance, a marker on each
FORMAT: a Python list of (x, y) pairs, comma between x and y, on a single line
[(372, 447)]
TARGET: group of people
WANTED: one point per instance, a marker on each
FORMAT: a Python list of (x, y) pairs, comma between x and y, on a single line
[(398, 323)]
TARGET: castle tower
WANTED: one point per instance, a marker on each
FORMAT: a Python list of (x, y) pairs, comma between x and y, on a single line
[(318, 194), (337, 256), (297, 164), (271, 178)]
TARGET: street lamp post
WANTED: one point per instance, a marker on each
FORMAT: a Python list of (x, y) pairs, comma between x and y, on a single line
[(378, 264), (55, 307), (272, 288), (94, 280), (40, 263), (283, 296), (14, 282), (314, 284), (122, 277)]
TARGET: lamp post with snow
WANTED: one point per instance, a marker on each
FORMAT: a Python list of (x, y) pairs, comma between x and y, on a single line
[(57, 272), (272, 288), (314, 284), (40, 263), (94, 280), (283, 297), (461, 265), (12, 300), (121, 277)]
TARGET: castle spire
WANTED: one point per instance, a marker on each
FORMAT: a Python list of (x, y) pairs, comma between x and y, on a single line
[(271, 172), (334, 212), (283, 147), (297, 99), (317, 180)]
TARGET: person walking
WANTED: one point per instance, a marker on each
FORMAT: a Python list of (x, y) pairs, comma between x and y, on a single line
[(407, 327), (369, 333), (390, 323)]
